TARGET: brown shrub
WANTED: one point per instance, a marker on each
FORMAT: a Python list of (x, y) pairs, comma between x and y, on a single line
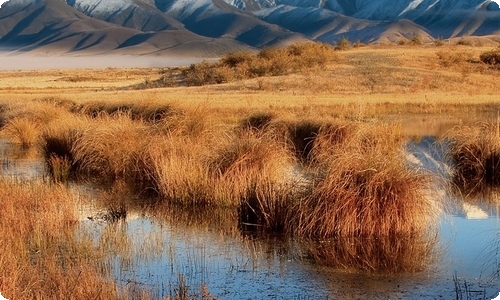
[(270, 61), (491, 58), (454, 58)]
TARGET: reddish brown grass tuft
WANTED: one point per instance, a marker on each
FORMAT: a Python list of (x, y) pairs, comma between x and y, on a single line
[(367, 190)]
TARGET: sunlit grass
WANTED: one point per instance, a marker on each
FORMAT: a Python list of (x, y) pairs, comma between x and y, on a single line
[(366, 189)]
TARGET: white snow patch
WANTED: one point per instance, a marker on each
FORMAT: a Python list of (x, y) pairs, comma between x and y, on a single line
[(497, 297), (411, 6), (432, 5), (102, 6)]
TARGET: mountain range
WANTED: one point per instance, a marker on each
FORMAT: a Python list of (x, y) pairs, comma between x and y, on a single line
[(212, 27)]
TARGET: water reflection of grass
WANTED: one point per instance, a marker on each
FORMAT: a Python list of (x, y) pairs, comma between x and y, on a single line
[(396, 254)]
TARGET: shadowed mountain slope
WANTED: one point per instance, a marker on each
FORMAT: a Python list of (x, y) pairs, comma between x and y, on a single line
[(330, 27), (214, 27), (207, 18), (51, 26), (439, 18), (26, 25)]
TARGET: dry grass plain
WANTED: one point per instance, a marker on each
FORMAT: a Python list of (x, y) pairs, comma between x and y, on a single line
[(375, 74), (418, 82)]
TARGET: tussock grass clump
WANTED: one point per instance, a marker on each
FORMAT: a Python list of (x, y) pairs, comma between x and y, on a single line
[(207, 73), (416, 40), (104, 148), (475, 151), (267, 207), (39, 112), (368, 190), (194, 123), (24, 124), (107, 147), (331, 137), (241, 162), (343, 44), (312, 139), (173, 168), (254, 172), (439, 42), (64, 103), (23, 131), (41, 256)]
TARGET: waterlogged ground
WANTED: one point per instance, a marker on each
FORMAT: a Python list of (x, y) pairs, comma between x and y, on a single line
[(161, 250)]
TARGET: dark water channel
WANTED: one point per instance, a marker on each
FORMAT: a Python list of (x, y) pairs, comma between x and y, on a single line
[(161, 250)]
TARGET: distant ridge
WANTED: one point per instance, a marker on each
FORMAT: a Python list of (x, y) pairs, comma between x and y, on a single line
[(209, 28)]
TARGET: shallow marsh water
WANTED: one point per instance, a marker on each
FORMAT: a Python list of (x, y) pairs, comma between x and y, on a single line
[(161, 250)]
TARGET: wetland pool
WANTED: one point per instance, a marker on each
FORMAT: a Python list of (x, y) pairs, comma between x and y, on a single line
[(163, 250)]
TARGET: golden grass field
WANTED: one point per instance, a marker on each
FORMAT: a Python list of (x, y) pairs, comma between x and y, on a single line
[(417, 82), (369, 75), (233, 144)]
